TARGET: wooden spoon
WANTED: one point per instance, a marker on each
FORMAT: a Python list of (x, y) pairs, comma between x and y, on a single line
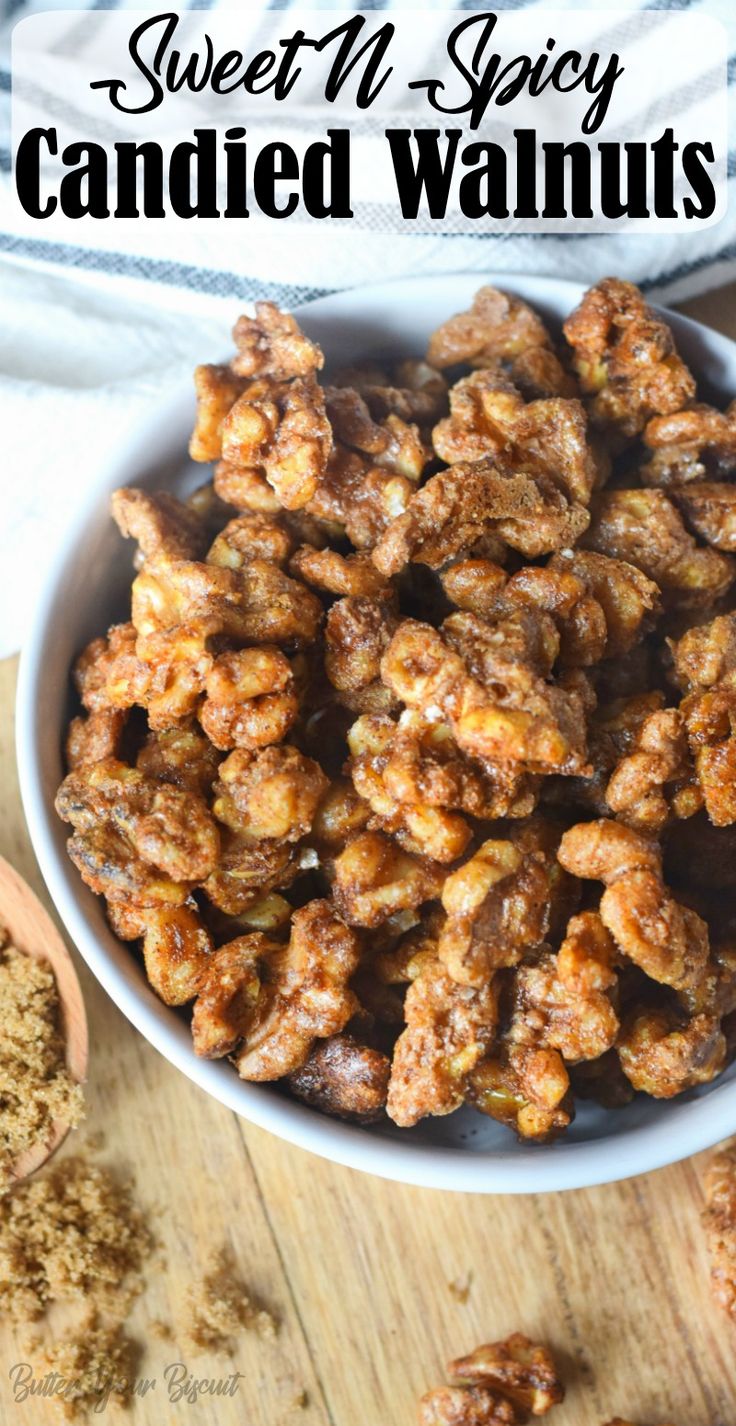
[(31, 929)]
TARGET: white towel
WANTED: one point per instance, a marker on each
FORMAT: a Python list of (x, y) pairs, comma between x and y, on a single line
[(95, 332)]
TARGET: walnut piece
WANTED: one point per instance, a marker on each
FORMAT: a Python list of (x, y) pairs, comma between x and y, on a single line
[(501, 328), (343, 1078), (625, 359), (644, 528)]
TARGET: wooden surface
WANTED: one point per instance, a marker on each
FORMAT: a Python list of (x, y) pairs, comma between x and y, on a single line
[(360, 1271)]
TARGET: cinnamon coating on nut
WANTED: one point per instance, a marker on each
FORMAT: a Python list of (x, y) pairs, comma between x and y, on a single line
[(644, 528), (449, 1027), (500, 328), (489, 418), (344, 1078), (459, 506), (625, 359), (664, 938)]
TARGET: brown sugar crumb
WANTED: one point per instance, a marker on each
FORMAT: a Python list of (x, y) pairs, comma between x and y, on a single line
[(220, 1307), (93, 1366), (73, 1233), (459, 1288), (35, 1087), (162, 1331), (300, 1402)]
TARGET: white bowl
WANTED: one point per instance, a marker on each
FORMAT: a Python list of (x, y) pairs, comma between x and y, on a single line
[(87, 587)]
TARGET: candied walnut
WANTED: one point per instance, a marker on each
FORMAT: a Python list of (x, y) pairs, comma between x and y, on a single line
[(177, 948), (108, 673), (465, 1406), (248, 870), (667, 940), (625, 359), (654, 781), (358, 631), (359, 498), (527, 1088), (108, 865), (216, 388), (273, 344), (612, 733), (343, 1078), (337, 574), (419, 826), (449, 1027), (228, 994), (177, 662), (282, 429), (159, 523), (340, 813), (248, 537), (182, 756), (705, 659), (459, 506), (709, 508), (600, 606), (245, 488), (663, 1053), (268, 794), (476, 585), (256, 604), (501, 328), (391, 442), (706, 655), (516, 1368), (251, 699), (304, 995), (710, 720), (563, 1001), (94, 738), (166, 827), (694, 444), (413, 390), (490, 684), (374, 879), (719, 1222), (628, 599), (489, 418), (644, 528), (499, 903), (422, 765)]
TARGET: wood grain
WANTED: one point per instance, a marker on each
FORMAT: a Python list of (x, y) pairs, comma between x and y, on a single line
[(361, 1272)]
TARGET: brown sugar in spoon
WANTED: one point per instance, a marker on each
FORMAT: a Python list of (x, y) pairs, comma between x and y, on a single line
[(31, 929)]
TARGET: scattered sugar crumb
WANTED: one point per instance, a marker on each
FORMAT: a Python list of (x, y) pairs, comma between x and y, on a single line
[(35, 1086), (163, 1331), (459, 1288), (95, 1364), (71, 1233), (220, 1307)]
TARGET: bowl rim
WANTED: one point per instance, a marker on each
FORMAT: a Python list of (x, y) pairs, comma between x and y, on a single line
[(688, 1128)]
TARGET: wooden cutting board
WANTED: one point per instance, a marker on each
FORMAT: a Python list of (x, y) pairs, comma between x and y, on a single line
[(377, 1284)]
